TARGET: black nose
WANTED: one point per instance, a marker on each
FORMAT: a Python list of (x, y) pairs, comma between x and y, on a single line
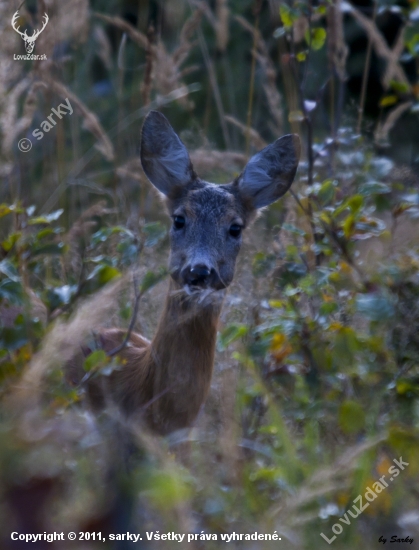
[(197, 275)]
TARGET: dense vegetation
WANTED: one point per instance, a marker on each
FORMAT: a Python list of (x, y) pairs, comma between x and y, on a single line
[(316, 385)]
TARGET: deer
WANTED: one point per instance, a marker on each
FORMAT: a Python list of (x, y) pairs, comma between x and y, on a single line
[(29, 40), (165, 381)]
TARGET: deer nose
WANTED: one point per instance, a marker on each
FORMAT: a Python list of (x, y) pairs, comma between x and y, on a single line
[(197, 275)]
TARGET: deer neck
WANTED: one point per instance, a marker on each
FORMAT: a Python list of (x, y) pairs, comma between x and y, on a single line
[(181, 357)]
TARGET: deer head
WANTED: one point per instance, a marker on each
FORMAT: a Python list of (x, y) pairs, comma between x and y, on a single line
[(29, 40), (208, 219)]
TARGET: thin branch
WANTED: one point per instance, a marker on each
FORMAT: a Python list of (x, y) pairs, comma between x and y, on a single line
[(138, 296), (80, 287), (147, 83), (215, 88), (365, 76), (381, 134), (394, 69), (252, 77)]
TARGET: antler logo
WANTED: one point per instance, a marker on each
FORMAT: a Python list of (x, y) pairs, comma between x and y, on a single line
[(29, 40)]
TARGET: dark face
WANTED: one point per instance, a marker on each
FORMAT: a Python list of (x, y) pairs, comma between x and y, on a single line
[(207, 219), (205, 237)]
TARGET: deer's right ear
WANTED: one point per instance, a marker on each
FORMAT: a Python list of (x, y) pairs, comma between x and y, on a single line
[(164, 158)]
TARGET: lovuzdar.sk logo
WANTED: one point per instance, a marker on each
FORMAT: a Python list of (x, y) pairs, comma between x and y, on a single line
[(29, 40)]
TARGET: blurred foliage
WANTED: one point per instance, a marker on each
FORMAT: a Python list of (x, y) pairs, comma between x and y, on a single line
[(320, 358)]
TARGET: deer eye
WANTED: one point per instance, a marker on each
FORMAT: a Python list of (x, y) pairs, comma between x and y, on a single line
[(235, 230), (178, 222)]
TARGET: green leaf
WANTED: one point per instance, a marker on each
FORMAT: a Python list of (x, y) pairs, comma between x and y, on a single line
[(13, 338), (280, 31), (289, 273), (388, 100), (5, 209), (267, 474), (45, 232), (262, 263), (11, 291), (374, 188), (292, 229), (351, 417), (328, 307), (295, 116), (301, 56), (106, 273), (348, 226), (369, 227), (345, 347), (405, 442), (317, 39), (413, 44), (374, 306), (407, 388), (11, 240), (326, 191), (103, 234), (9, 270), (100, 236), (47, 218), (286, 15), (382, 166), (230, 334), (355, 202), (152, 278), (400, 87), (128, 251), (167, 488), (154, 232), (59, 296), (95, 360), (51, 249), (101, 274), (339, 209)]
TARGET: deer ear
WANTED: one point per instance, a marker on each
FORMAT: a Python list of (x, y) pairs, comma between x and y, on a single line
[(270, 173), (164, 158)]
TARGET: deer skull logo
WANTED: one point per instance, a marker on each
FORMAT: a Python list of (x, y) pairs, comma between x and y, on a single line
[(29, 40)]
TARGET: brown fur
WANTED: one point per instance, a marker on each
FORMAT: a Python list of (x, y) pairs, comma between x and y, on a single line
[(164, 382)]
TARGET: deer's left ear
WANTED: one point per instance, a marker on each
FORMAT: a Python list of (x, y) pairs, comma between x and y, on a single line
[(269, 173)]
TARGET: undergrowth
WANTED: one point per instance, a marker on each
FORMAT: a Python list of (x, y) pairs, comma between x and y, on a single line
[(316, 386)]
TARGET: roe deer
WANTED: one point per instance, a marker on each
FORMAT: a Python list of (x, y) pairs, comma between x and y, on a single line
[(167, 380)]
